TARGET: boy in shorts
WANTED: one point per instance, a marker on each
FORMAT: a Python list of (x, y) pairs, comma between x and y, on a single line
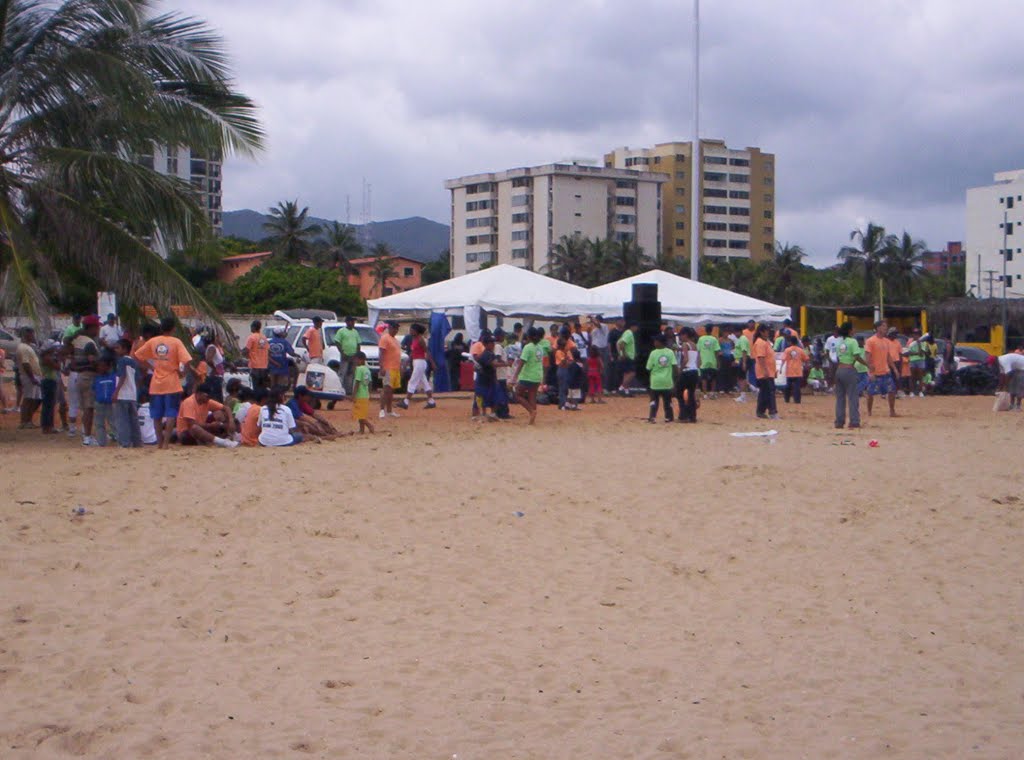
[(361, 393)]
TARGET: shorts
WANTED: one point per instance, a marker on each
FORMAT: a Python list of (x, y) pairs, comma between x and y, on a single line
[(484, 395), (280, 380), (259, 377), (862, 382), (29, 391), (708, 373), (419, 380), (627, 365), (528, 384), (164, 406), (391, 378), (360, 408), (882, 385), (917, 364), (84, 393), (1015, 384)]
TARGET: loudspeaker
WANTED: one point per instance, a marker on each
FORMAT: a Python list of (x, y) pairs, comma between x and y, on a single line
[(645, 291), (644, 311)]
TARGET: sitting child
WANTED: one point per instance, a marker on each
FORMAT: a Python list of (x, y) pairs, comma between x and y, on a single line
[(307, 419), (816, 379)]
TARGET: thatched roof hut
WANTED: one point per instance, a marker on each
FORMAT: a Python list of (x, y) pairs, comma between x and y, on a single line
[(967, 315)]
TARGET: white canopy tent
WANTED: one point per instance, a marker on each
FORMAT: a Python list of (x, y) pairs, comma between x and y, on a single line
[(503, 289), (683, 300)]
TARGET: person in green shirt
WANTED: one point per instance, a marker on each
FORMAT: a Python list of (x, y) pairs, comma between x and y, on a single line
[(73, 329), (661, 364), (816, 378), (916, 355), (627, 358), (742, 353), (847, 378), (347, 341), (528, 372), (710, 350), (361, 392)]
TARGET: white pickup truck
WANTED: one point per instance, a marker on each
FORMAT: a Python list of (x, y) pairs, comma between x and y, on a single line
[(297, 325)]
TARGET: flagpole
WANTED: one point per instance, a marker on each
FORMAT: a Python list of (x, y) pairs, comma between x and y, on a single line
[(696, 160)]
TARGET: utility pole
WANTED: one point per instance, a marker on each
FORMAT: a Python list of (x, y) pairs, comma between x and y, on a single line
[(991, 276), (696, 164), (1006, 255)]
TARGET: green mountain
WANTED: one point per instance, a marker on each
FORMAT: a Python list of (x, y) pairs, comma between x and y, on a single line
[(418, 238)]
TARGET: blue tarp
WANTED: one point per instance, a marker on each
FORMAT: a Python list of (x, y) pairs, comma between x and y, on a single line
[(439, 328)]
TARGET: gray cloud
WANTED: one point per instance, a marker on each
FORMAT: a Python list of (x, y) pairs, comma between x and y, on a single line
[(884, 109)]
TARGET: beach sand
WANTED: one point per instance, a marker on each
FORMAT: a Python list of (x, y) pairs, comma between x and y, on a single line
[(668, 592)]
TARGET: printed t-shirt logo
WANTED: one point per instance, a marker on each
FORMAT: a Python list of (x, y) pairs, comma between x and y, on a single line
[(662, 361), (162, 350)]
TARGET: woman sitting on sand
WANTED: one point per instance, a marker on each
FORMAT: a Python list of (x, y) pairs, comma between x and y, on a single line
[(276, 423)]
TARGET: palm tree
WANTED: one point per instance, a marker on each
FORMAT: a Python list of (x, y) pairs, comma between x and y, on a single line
[(628, 259), (567, 260), (869, 253), (782, 270), (342, 245), (600, 262), (383, 266), (290, 233), (903, 263), (85, 87)]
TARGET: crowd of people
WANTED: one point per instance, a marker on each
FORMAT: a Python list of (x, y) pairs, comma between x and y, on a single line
[(96, 380)]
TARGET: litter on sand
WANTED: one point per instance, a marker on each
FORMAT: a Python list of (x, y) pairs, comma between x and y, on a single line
[(756, 434)]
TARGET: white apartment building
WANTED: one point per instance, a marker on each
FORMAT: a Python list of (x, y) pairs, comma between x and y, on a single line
[(516, 216), (987, 240), (203, 173)]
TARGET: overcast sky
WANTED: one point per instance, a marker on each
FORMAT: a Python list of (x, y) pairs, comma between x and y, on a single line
[(882, 110)]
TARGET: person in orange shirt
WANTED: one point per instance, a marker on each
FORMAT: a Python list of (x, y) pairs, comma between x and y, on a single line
[(251, 423), (257, 351), (764, 367), (205, 422), (167, 357), (390, 369), (314, 339), (881, 367), (794, 357)]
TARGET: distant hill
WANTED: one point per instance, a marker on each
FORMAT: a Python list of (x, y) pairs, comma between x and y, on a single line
[(418, 238)]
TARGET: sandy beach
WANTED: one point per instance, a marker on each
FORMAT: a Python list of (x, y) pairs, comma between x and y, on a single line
[(667, 592)]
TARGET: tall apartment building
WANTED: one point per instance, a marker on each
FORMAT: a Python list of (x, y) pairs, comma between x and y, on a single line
[(988, 241), (517, 216), (737, 203), (201, 171)]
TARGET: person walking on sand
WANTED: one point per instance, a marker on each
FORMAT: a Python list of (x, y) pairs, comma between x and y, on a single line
[(390, 369), (661, 364), (528, 372), (764, 367), (795, 358), (881, 368), (167, 357), (710, 351), (421, 360), (847, 397), (627, 358)]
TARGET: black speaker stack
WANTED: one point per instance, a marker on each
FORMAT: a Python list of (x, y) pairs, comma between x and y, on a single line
[(644, 311)]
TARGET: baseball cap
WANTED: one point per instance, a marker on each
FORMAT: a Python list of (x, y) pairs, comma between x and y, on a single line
[(91, 321), (279, 331)]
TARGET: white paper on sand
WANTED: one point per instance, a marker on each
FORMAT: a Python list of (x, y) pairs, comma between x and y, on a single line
[(756, 434)]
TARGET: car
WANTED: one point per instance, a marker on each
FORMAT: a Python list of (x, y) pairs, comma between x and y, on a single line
[(9, 342), (368, 339)]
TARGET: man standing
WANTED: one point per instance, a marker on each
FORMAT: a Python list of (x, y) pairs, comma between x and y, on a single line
[(31, 375), (167, 356), (627, 358), (881, 368), (347, 341), (84, 354), (314, 340), (710, 351), (278, 351), (110, 333), (390, 369), (73, 329), (744, 362), (257, 351), (661, 364)]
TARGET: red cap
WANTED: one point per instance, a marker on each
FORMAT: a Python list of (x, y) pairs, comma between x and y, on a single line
[(91, 321)]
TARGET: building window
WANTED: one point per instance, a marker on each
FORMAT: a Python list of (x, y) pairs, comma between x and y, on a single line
[(714, 177), (715, 226), (521, 218), (743, 179), (680, 175), (741, 194), (146, 161), (625, 219), (625, 184), (716, 210), (769, 231), (470, 257), (680, 241), (624, 200), (768, 181), (680, 157), (715, 243), (520, 200), (407, 272), (739, 162), (197, 166), (680, 191), (713, 192), (680, 209), (480, 187), (522, 182), (769, 198), (657, 159), (623, 237), (739, 211), (520, 253), (680, 225), (478, 205), (480, 239), (739, 228), (767, 213), (482, 221), (172, 164), (768, 248), (738, 244), (520, 234), (717, 160)]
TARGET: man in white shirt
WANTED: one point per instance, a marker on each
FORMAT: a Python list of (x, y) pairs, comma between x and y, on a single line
[(1011, 377), (110, 333)]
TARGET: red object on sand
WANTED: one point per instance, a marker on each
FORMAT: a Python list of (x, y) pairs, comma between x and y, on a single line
[(873, 443)]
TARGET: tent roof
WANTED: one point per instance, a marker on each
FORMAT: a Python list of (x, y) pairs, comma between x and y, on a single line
[(502, 289), (684, 300)]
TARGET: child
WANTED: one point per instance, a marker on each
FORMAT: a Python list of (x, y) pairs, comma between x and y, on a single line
[(126, 395), (577, 380), (816, 379), (232, 398), (147, 430), (250, 427), (240, 401), (595, 373), (50, 361), (277, 425), (562, 361), (361, 393), (103, 387), (794, 357), (307, 419), (486, 379), (197, 371)]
